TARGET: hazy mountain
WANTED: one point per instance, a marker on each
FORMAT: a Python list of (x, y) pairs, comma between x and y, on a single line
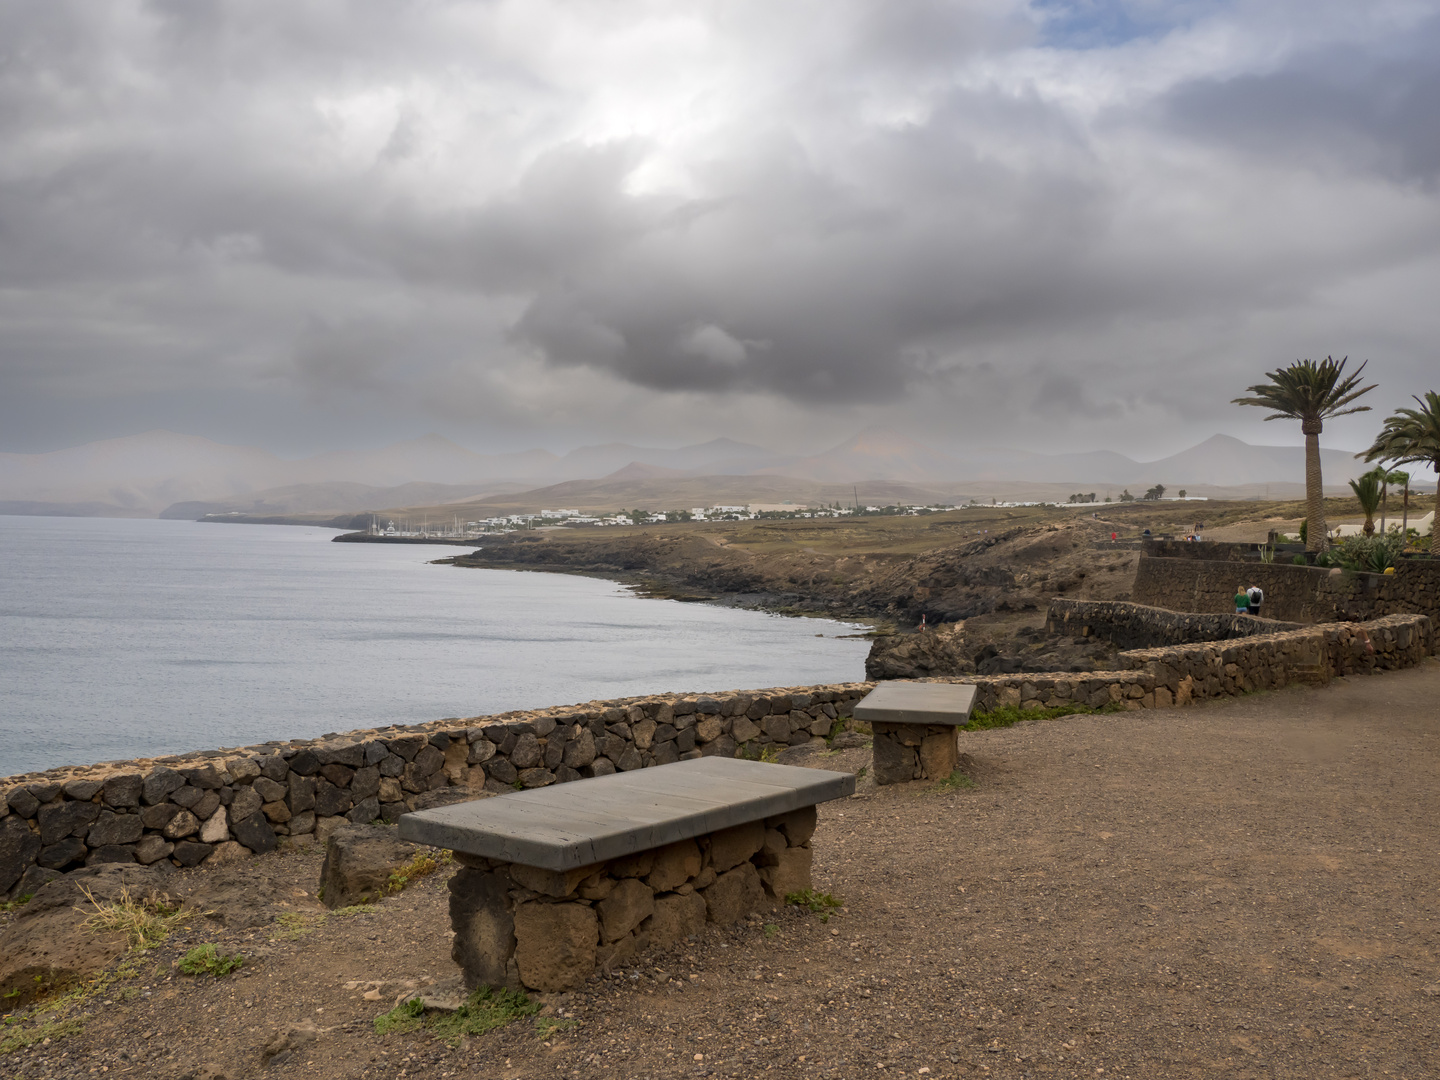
[(143, 475), (716, 457), (682, 492), (139, 474), (874, 454), (1222, 459), (339, 497), (431, 459)]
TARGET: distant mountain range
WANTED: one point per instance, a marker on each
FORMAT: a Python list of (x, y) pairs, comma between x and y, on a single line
[(163, 473)]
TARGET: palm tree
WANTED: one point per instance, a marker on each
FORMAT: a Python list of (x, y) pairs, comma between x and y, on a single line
[(1399, 476), (1367, 490), (1311, 393), (1412, 436), (1388, 477)]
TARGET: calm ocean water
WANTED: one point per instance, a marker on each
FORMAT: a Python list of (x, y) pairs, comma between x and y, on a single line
[(124, 638)]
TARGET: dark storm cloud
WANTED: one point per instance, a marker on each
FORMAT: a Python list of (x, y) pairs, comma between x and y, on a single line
[(516, 213), (1339, 108)]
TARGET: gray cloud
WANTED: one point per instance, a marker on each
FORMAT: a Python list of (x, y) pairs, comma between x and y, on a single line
[(547, 224), (1336, 108)]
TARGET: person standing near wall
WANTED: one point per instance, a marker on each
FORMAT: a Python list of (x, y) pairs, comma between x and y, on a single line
[(1242, 601), (1256, 597)]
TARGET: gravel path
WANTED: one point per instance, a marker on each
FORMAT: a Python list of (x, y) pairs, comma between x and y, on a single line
[(1242, 889)]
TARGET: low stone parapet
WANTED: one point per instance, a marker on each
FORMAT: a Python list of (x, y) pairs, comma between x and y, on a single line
[(1180, 674), (229, 803), (1225, 668), (1138, 626)]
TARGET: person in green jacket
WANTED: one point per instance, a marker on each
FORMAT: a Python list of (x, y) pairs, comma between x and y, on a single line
[(1242, 600)]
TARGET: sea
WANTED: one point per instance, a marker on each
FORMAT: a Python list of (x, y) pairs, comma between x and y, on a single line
[(124, 638)]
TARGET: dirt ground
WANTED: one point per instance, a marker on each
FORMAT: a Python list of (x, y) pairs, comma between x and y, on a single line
[(1241, 889)]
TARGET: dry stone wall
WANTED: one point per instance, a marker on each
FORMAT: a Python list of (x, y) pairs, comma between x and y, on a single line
[(1302, 594), (225, 804), (1180, 674), (1137, 626)]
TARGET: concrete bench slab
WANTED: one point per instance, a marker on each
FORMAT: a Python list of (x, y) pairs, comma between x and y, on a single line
[(940, 704), (916, 728), (557, 881), (585, 822)]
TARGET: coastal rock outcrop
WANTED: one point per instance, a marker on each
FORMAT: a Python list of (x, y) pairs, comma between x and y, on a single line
[(938, 651)]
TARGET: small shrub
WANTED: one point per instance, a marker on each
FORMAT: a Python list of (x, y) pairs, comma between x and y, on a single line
[(145, 923), (771, 929), (1299, 560), (817, 902), (546, 1027), (860, 772), (208, 960), (770, 754), (19, 901), (483, 1011)]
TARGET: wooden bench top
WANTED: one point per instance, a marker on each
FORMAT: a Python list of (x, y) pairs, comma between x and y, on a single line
[(941, 704), (566, 826)]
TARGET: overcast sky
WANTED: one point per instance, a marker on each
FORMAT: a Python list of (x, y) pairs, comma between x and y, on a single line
[(313, 225)]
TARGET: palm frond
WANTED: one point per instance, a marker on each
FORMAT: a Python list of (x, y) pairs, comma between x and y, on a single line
[(1307, 390), (1410, 436)]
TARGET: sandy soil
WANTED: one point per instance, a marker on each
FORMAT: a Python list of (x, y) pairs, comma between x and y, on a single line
[(1242, 889)]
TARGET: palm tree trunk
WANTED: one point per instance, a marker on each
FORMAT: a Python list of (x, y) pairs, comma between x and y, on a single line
[(1316, 533), (1405, 517), (1384, 503), (1435, 521)]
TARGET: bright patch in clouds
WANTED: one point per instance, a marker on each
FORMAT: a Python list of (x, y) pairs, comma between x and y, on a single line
[(283, 223)]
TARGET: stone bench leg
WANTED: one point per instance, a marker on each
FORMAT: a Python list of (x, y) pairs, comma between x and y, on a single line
[(522, 926), (905, 752)]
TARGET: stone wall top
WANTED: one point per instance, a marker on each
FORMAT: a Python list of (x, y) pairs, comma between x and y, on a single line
[(610, 710)]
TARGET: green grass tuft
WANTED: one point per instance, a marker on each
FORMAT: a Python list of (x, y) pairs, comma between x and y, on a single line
[(208, 960), (1008, 715), (769, 753), (145, 923), (22, 1038), (820, 903), (353, 909), (957, 780), (483, 1011), (422, 865)]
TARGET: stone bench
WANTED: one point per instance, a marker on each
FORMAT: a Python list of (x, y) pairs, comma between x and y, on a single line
[(558, 881), (915, 727)]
